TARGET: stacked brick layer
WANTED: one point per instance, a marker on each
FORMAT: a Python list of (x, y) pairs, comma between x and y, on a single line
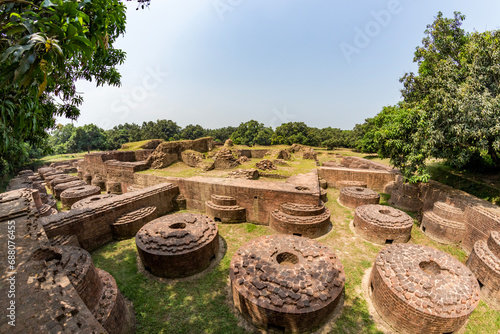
[(418, 289), (305, 220), (444, 223), (484, 262), (353, 197), (382, 224), (72, 195), (126, 226), (225, 209), (178, 245), (286, 281)]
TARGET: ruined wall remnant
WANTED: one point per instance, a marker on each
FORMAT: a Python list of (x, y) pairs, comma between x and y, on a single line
[(91, 223), (58, 289), (169, 152)]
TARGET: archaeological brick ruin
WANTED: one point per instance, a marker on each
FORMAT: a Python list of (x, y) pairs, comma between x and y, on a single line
[(418, 289), (281, 282), (286, 282), (353, 197), (382, 224), (178, 245)]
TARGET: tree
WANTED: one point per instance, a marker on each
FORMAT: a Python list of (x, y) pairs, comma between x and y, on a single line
[(222, 134), (59, 138), (161, 129), (45, 47), (193, 132), (451, 108), (86, 138), (248, 133)]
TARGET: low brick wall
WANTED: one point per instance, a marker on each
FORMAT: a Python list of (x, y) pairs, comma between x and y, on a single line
[(259, 198), (91, 224), (374, 179)]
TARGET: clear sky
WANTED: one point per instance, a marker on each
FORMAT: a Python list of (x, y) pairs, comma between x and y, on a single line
[(222, 62)]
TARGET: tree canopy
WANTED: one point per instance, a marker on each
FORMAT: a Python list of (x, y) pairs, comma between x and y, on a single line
[(450, 108), (45, 47)]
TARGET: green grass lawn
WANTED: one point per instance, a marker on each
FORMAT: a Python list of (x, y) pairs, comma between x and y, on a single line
[(202, 306)]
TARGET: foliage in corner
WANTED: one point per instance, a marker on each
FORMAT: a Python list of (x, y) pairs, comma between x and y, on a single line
[(45, 47), (450, 108)]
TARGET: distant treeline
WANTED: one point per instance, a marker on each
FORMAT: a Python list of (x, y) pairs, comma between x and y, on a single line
[(71, 139)]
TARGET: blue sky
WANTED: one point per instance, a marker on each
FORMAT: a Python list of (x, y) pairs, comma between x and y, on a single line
[(222, 62)]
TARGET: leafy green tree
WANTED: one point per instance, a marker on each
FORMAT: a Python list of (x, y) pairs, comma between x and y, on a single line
[(123, 133), (59, 138), (247, 133), (193, 132), (451, 106), (161, 129), (86, 138), (222, 134)]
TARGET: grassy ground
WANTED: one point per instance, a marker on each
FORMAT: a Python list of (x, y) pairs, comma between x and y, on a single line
[(201, 305), (485, 186), (134, 146), (296, 165), (63, 157)]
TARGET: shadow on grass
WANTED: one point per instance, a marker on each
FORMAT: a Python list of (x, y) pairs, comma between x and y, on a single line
[(355, 318), (196, 306)]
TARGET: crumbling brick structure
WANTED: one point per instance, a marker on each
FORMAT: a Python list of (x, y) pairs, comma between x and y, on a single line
[(484, 262), (225, 209), (418, 289), (353, 197), (444, 223), (382, 224), (73, 195), (405, 196), (58, 289), (178, 245), (259, 198), (58, 189), (305, 220), (90, 200), (287, 282), (91, 224)]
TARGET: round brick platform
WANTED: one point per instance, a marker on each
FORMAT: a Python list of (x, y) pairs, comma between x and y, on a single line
[(224, 209), (64, 178), (382, 224), (112, 311), (418, 289), (73, 195), (58, 189), (127, 225), (353, 197), (287, 282), (444, 223), (178, 245), (305, 220), (484, 262), (90, 200)]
